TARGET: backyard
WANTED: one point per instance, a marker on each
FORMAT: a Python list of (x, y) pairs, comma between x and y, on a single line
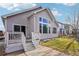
[(65, 44)]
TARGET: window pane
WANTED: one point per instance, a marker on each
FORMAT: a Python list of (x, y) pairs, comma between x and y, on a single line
[(40, 28), (54, 30), (45, 21), (40, 19), (45, 28), (16, 28)]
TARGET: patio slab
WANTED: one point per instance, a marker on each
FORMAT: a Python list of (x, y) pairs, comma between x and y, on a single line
[(44, 51), (39, 51)]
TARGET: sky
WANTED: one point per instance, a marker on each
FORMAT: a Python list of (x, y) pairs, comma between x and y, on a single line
[(60, 10)]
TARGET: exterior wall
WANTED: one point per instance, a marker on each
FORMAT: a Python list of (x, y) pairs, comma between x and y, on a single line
[(20, 19), (45, 15), (30, 25)]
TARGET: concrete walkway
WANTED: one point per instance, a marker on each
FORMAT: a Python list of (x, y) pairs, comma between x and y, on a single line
[(39, 51), (44, 51)]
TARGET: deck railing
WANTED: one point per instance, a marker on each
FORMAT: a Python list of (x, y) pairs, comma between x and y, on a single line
[(35, 39), (13, 37)]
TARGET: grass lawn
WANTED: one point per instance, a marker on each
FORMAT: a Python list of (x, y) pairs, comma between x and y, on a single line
[(64, 44)]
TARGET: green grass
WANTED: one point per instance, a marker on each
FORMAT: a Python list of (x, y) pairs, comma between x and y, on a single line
[(62, 44)]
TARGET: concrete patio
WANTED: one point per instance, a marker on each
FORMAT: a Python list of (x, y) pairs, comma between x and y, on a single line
[(39, 51)]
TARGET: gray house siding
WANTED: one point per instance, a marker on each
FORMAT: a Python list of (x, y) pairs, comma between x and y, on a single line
[(30, 25), (31, 21), (21, 19)]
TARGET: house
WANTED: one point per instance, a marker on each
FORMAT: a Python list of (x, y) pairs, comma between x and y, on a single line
[(24, 29), (61, 29), (64, 29), (68, 29)]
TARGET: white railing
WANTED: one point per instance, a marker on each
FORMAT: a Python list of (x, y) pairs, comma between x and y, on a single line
[(14, 41), (13, 37), (24, 42), (36, 39)]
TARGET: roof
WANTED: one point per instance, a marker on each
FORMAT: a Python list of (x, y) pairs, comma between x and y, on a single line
[(37, 11), (18, 12)]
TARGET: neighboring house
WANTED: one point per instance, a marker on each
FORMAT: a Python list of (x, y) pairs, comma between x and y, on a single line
[(61, 29), (29, 25), (69, 29), (65, 29)]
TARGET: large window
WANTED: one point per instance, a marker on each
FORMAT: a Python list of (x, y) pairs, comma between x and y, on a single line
[(54, 30), (43, 23)]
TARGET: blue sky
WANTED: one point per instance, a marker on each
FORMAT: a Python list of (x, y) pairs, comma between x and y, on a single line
[(60, 10)]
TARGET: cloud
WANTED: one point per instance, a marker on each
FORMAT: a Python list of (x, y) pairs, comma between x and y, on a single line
[(69, 4), (34, 4), (16, 6), (56, 13)]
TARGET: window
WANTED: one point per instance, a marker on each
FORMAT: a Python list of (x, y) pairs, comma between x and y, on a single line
[(40, 19), (54, 30), (43, 20), (16, 28), (40, 27), (45, 28), (43, 23)]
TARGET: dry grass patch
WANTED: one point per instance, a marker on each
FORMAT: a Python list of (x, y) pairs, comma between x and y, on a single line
[(64, 44)]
